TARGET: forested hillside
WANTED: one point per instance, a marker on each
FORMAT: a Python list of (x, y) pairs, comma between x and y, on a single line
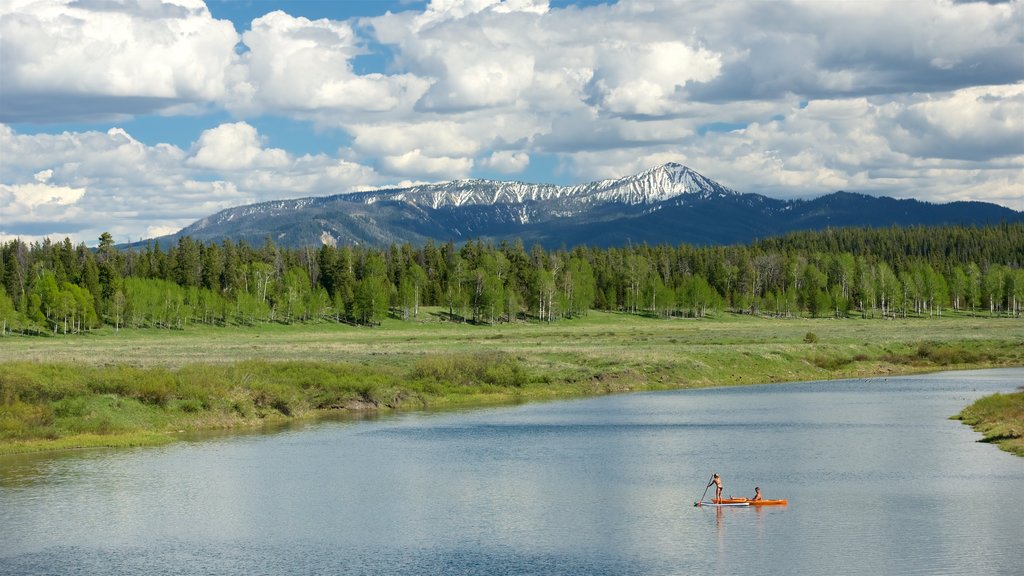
[(59, 288)]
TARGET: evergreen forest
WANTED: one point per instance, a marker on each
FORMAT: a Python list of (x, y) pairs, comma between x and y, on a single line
[(59, 288)]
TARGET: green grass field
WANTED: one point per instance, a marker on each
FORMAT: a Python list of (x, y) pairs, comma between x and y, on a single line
[(143, 386)]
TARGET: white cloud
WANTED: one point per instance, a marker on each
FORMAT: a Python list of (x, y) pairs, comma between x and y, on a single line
[(854, 144), (981, 122), (160, 230), (29, 197), (233, 147), (650, 79), (80, 184), (88, 58), (446, 10), (443, 138), (32, 207), (507, 161), (477, 76), (297, 64), (416, 162), (474, 54)]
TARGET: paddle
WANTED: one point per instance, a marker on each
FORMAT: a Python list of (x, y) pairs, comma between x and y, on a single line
[(697, 503)]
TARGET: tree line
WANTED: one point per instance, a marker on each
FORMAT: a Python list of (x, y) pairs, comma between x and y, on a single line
[(58, 287)]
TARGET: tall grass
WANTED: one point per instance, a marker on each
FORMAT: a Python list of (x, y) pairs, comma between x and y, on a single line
[(496, 369), (50, 401), (53, 391), (1000, 419)]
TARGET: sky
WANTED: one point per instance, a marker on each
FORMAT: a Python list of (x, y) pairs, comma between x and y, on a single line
[(138, 117)]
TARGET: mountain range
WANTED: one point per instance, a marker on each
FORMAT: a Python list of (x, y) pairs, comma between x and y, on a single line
[(669, 203)]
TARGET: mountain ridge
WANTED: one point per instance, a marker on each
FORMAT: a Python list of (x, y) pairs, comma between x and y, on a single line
[(667, 203)]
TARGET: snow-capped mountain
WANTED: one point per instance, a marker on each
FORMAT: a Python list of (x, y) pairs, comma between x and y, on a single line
[(654, 185), (669, 203), (649, 187)]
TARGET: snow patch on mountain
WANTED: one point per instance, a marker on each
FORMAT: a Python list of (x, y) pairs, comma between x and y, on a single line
[(530, 200), (651, 186)]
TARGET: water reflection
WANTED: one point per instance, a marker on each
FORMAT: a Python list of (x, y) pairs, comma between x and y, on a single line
[(878, 479)]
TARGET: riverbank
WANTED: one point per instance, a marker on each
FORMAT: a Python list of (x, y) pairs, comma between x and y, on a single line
[(147, 387), (1000, 420)]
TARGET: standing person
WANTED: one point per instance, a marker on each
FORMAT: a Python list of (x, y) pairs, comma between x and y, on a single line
[(717, 481)]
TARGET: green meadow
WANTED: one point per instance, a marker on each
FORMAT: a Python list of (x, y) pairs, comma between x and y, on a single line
[(142, 386)]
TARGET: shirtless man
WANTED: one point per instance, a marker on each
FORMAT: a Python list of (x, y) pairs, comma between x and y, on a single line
[(757, 494), (717, 481)]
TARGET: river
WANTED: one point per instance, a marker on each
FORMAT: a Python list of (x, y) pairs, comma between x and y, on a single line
[(879, 481)]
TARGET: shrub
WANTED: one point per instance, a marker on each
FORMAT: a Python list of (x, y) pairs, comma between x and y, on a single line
[(275, 397), (830, 363), (70, 408), (120, 380), (436, 368), (810, 338), (190, 405), (242, 408), (389, 396), (156, 389), (505, 375), (20, 420), (945, 355), (37, 384), (495, 369)]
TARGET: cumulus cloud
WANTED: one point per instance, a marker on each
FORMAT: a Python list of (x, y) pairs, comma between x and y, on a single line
[(29, 197), (233, 147), (475, 76), (297, 64), (977, 123), (80, 184), (32, 207), (507, 161), (101, 181), (667, 68), (438, 167), (71, 60), (855, 144), (441, 138), (829, 49), (447, 10)]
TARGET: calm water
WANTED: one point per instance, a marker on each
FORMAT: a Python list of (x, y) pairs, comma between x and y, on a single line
[(879, 482)]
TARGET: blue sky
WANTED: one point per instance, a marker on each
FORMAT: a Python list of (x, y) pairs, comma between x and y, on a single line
[(140, 116)]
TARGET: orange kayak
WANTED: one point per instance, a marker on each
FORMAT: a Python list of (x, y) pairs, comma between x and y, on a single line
[(751, 502)]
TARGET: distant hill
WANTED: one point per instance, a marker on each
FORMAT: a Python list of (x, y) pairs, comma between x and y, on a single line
[(669, 203)]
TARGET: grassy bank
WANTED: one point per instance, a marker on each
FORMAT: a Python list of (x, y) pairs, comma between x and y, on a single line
[(145, 386), (1000, 419)]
